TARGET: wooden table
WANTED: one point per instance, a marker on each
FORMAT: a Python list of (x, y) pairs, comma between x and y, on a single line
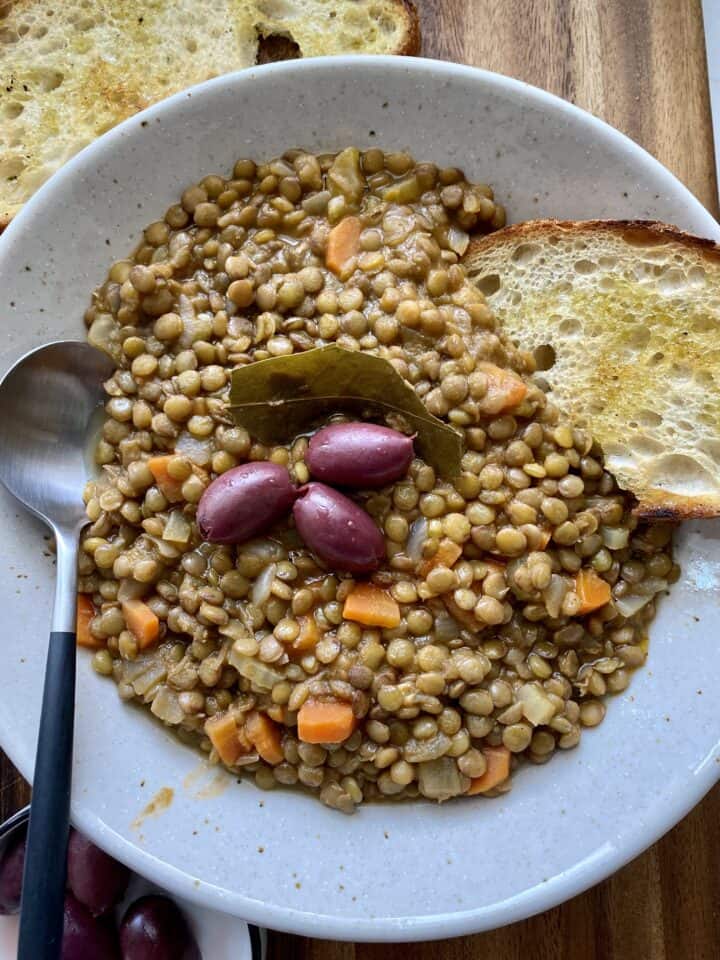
[(640, 65)]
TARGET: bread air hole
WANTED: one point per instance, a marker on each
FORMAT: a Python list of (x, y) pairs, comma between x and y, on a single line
[(585, 267), (525, 253), (544, 356), (675, 471), (489, 284)]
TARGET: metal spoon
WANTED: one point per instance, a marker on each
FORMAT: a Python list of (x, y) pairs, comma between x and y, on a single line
[(47, 401)]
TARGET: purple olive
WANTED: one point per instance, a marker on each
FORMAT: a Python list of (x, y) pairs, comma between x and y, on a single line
[(11, 874), (359, 455), (84, 936), (154, 929), (245, 501), (98, 881), (340, 532)]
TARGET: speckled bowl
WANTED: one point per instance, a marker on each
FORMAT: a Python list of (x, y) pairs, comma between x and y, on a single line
[(281, 859)]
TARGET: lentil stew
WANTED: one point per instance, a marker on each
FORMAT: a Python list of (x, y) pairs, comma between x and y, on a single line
[(510, 599)]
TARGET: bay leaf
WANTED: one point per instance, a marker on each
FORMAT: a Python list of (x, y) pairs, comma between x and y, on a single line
[(279, 398)]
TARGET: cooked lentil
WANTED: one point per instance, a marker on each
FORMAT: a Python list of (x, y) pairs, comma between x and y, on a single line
[(494, 645)]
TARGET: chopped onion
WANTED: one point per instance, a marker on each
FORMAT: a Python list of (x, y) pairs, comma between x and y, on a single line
[(131, 590), (166, 706), (628, 606), (199, 451), (537, 707), (165, 549), (263, 585), (105, 335), (418, 751), (177, 529), (132, 669), (155, 674), (262, 678), (440, 779), (554, 595), (235, 629), (615, 538), (458, 240), (418, 536)]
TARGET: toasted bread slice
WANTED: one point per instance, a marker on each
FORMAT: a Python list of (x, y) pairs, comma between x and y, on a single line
[(69, 71), (624, 320)]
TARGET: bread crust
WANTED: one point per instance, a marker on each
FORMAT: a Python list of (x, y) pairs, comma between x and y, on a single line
[(637, 232)]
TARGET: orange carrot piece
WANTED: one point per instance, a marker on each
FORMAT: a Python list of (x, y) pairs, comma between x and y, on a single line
[(264, 735), (325, 721), (594, 592), (226, 737), (85, 613), (498, 770), (505, 389), (371, 605), (308, 637), (447, 553), (169, 487), (343, 244), (141, 622)]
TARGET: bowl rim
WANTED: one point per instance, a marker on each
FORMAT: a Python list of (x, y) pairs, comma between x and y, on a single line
[(556, 889)]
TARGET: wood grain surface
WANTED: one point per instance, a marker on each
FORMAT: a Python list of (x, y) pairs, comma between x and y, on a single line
[(640, 65)]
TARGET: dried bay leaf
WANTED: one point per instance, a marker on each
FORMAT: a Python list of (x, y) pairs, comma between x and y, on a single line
[(279, 398)]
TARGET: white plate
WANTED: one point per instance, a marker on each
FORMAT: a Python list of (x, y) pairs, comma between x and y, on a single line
[(280, 859)]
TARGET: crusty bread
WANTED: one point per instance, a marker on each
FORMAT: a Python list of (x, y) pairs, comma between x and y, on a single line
[(632, 313), (71, 70)]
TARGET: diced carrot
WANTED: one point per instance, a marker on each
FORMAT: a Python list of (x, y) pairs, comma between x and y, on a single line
[(85, 613), (369, 604), (498, 770), (325, 721), (226, 737), (594, 592), (343, 244), (169, 487), (141, 622), (505, 389), (447, 553), (264, 735), (308, 637)]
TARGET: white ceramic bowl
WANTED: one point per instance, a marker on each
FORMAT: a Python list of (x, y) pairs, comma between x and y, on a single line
[(281, 859)]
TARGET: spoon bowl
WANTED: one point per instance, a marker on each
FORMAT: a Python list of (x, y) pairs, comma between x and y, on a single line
[(47, 403)]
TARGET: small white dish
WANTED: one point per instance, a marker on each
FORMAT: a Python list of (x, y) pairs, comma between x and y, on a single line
[(395, 871), (220, 936)]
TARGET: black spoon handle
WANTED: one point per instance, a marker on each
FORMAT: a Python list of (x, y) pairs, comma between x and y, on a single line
[(41, 912)]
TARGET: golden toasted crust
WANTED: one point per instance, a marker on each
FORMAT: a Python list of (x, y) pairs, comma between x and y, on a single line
[(634, 232), (412, 43), (631, 309)]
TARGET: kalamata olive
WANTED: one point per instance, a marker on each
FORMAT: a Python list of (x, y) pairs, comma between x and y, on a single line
[(245, 501), (155, 929), (359, 455), (11, 874), (84, 936), (340, 532), (98, 881)]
